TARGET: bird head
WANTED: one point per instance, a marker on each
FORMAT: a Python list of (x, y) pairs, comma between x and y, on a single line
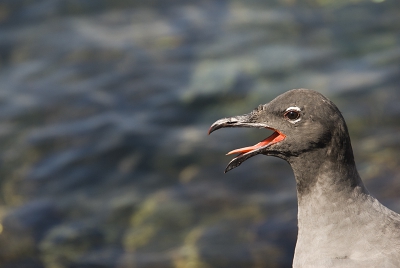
[(302, 120)]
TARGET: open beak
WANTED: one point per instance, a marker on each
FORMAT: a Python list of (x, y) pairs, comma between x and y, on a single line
[(246, 152)]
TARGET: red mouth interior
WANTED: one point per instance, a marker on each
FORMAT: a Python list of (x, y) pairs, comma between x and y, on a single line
[(274, 138)]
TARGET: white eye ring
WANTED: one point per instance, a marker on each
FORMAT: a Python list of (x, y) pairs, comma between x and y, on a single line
[(295, 109)]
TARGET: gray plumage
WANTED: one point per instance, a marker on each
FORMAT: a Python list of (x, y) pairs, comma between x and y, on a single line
[(340, 223)]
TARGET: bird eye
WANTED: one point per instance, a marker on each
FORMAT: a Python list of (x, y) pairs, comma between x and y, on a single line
[(292, 115)]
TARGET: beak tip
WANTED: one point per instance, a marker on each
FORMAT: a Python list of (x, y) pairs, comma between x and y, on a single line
[(227, 169), (221, 123), (211, 130)]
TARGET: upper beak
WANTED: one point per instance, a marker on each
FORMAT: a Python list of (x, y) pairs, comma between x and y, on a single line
[(246, 152), (236, 121)]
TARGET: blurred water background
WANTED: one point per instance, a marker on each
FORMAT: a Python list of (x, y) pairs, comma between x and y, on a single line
[(104, 112)]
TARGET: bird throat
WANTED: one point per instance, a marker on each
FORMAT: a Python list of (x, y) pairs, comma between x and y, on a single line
[(313, 171)]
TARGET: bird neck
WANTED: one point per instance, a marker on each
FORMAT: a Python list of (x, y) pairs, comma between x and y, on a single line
[(330, 195)]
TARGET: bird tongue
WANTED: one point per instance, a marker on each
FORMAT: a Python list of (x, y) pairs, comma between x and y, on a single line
[(274, 138)]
